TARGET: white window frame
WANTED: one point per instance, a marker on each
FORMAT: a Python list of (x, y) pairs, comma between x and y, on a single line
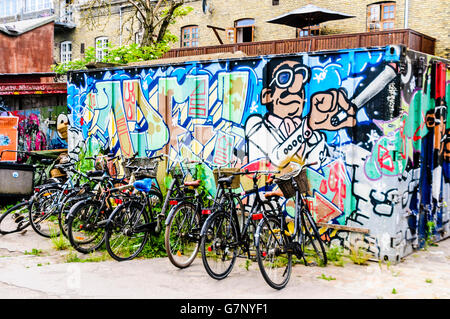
[(37, 5), (100, 50), (9, 8), (66, 55)]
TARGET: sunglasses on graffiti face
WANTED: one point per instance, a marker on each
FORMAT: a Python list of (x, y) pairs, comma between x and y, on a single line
[(285, 76)]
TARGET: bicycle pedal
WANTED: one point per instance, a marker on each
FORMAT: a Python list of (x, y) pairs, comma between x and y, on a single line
[(18, 219)]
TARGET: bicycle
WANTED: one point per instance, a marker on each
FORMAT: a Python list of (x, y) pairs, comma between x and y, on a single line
[(222, 236), (87, 220), (277, 242), (40, 210), (50, 205), (184, 221), (133, 221)]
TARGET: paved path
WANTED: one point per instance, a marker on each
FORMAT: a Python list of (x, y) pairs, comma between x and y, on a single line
[(424, 274)]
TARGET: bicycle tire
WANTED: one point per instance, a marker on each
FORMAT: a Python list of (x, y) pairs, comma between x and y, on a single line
[(181, 242), (84, 232), (43, 212), (120, 237), (221, 234), (15, 219), (274, 259), (312, 246), (66, 204)]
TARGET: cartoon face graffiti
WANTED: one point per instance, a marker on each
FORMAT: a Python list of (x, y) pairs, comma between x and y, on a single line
[(285, 94), (286, 130)]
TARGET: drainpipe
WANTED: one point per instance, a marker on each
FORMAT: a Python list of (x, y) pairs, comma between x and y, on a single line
[(406, 13), (120, 25)]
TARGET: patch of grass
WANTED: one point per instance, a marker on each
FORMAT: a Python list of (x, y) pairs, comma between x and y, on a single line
[(248, 262), (154, 247), (72, 257), (428, 281), (326, 278), (359, 256), (34, 251), (335, 254), (60, 242)]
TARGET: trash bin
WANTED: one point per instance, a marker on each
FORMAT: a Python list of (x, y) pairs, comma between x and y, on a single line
[(16, 179)]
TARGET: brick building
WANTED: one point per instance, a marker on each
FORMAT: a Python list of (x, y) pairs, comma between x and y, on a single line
[(213, 22)]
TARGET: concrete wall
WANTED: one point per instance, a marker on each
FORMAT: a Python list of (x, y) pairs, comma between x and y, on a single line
[(379, 135)]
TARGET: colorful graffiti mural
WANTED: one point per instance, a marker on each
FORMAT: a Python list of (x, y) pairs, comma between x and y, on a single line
[(375, 121), (38, 129)]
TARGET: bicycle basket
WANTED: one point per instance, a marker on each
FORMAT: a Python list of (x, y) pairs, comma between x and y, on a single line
[(149, 167), (285, 184), (225, 172)]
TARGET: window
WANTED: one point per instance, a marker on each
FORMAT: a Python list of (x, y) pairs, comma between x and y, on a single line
[(189, 36), (309, 31), (244, 30), (66, 51), (275, 2), (381, 16), (65, 11), (37, 5), (8, 8), (101, 43)]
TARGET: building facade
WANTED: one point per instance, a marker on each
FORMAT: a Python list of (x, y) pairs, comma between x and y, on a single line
[(213, 22)]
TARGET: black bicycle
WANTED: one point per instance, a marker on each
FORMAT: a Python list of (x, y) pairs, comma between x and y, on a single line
[(185, 219), (277, 241), (222, 237), (87, 220), (130, 225)]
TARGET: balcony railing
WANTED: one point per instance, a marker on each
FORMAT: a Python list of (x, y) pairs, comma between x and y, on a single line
[(411, 39)]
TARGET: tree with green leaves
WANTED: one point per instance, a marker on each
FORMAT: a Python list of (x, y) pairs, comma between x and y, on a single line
[(151, 18)]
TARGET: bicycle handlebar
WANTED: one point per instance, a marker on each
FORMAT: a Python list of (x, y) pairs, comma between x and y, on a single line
[(247, 172)]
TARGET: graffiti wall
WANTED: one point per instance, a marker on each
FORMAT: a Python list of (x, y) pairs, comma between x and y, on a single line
[(374, 121), (38, 129)]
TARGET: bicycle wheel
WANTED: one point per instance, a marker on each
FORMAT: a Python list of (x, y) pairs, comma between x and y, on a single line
[(44, 212), (66, 204), (86, 226), (182, 235), (126, 233), (274, 259), (219, 245), (15, 219), (313, 246)]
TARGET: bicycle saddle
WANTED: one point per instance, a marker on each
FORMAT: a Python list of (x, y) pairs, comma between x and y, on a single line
[(193, 183), (274, 194), (144, 185), (226, 180)]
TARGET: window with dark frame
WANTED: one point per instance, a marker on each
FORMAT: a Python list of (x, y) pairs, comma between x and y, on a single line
[(381, 16), (189, 36), (275, 2), (308, 31)]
